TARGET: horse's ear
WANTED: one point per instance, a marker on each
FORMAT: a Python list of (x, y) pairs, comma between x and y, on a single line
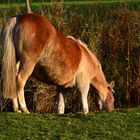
[(112, 84)]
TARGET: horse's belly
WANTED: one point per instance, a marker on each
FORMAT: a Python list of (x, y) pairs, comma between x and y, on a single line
[(41, 74), (56, 75)]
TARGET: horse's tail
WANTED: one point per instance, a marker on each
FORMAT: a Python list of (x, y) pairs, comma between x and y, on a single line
[(28, 6), (9, 70)]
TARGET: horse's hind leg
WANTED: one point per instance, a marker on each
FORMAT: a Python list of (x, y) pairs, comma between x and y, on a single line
[(15, 105), (24, 72), (15, 100)]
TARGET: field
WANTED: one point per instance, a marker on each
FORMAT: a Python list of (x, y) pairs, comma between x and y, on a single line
[(118, 125), (133, 4)]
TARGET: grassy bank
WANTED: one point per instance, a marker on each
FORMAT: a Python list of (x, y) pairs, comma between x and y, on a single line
[(120, 125)]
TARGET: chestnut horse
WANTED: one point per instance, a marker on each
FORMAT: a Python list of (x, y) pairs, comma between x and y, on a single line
[(33, 46)]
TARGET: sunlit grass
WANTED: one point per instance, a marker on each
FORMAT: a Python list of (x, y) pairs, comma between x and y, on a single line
[(123, 124)]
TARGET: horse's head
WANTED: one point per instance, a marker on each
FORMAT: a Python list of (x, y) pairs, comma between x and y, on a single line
[(108, 105), (110, 97)]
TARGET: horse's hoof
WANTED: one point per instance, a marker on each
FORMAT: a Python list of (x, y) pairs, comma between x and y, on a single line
[(18, 111), (25, 110), (85, 113)]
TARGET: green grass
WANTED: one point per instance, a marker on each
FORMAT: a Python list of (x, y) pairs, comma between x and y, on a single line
[(116, 2), (119, 125)]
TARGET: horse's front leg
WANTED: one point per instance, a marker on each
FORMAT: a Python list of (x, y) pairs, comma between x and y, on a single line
[(84, 94), (83, 86), (61, 103)]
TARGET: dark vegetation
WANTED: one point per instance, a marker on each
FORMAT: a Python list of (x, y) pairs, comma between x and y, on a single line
[(111, 31)]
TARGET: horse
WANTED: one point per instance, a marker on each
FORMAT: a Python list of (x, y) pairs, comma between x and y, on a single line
[(32, 46)]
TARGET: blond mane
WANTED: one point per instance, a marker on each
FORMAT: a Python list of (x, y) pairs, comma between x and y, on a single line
[(82, 44), (86, 48)]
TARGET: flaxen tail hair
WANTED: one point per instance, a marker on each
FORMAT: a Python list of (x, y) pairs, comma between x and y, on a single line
[(9, 61)]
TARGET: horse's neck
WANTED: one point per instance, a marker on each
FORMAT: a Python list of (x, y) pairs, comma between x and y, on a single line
[(99, 80)]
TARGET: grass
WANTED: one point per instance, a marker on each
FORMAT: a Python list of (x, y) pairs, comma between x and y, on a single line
[(120, 125), (116, 2)]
